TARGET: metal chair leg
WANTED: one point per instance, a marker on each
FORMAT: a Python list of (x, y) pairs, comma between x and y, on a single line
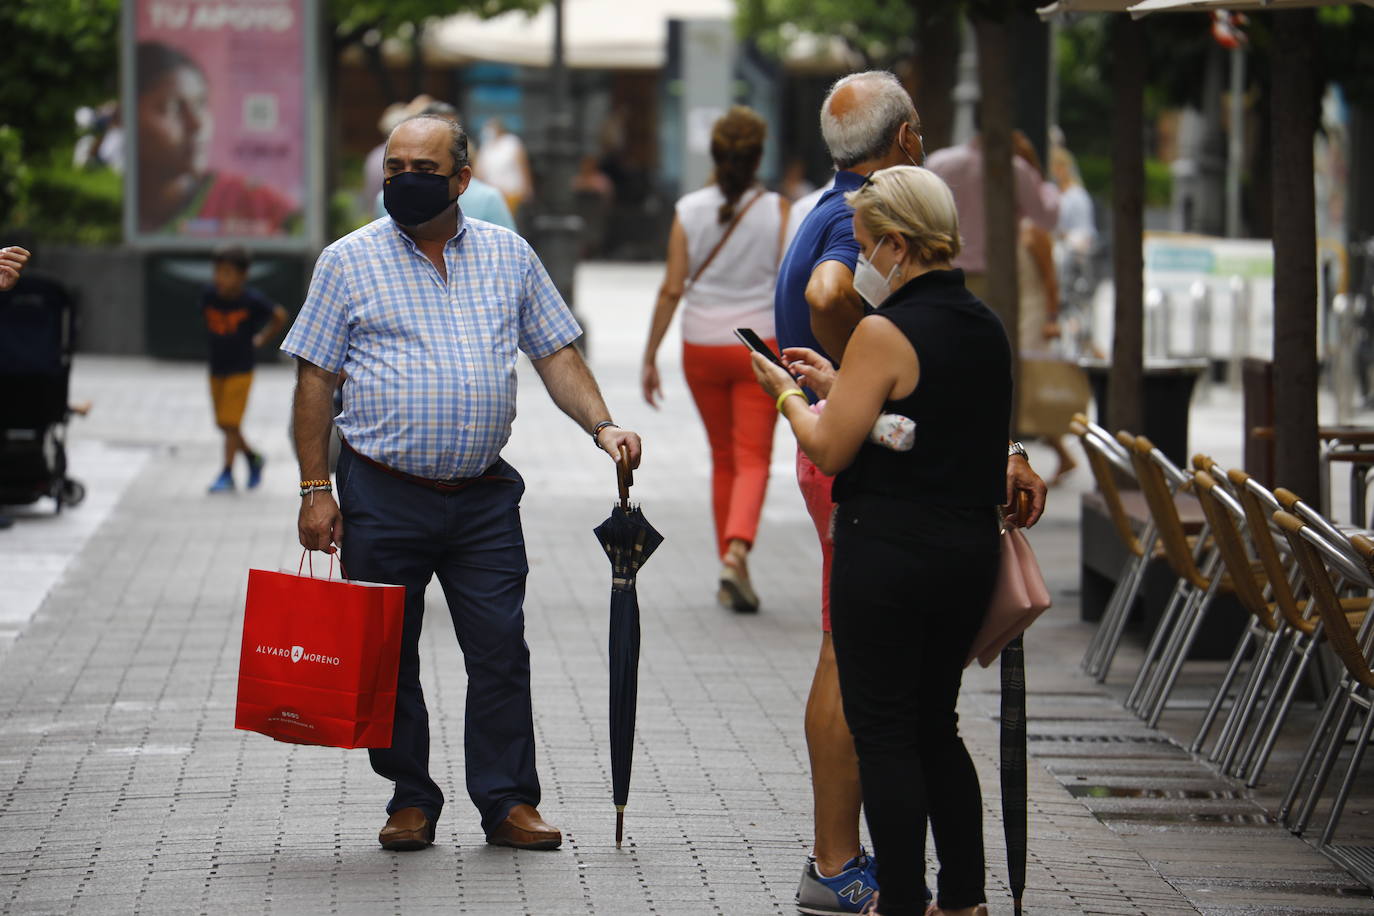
[(1327, 763), (1343, 793), (1166, 621), (1175, 666), (1112, 641), (1309, 757), (1264, 661), (1237, 656), (1092, 657), (1275, 712), (1182, 621)]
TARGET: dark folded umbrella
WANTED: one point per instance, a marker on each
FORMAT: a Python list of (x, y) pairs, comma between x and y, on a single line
[(628, 540), (1013, 740)]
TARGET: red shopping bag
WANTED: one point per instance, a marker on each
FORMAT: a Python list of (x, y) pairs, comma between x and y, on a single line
[(319, 659)]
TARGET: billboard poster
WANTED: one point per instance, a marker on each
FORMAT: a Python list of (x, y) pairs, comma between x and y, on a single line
[(218, 104)]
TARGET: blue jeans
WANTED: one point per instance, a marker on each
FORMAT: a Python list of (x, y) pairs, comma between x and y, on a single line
[(401, 533)]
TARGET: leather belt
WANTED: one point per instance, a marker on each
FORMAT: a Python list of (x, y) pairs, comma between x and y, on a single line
[(451, 485)]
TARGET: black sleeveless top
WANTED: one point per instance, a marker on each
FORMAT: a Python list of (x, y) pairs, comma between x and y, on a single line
[(961, 404)]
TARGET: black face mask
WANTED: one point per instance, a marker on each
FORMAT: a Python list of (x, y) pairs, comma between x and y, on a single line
[(414, 198)]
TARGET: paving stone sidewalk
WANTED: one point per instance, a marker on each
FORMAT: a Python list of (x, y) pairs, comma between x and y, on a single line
[(125, 789)]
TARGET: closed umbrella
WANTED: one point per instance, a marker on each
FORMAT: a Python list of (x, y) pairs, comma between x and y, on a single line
[(1013, 767), (629, 540)]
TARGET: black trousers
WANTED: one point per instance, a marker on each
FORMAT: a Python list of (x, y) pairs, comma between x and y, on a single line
[(909, 589)]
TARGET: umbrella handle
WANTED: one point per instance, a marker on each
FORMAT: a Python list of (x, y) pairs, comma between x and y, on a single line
[(624, 476)]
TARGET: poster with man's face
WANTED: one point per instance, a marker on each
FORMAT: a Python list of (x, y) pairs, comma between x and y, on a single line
[(219, 119)]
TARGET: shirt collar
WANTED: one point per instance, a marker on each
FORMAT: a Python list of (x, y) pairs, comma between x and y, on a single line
[(846, 180), (457, 235)]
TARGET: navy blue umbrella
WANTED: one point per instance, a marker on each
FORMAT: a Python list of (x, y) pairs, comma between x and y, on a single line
[(628, 540), (1013, 766)]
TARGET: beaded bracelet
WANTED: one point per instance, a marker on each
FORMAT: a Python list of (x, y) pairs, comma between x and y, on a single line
[(325, 487)]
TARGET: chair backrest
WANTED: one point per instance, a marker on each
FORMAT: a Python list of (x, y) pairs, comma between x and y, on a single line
[(1151, 469), (1260, 505), (1312, 552), (1224, 517), (1319, 524), (1100, 460), (1205, 462)]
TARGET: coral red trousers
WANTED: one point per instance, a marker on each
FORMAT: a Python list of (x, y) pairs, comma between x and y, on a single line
[(739, 420)]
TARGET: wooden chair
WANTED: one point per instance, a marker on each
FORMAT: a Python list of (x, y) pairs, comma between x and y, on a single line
[(1196, 567), (1300, 624), (1317, 558), (1106, 458), (1225, 518)]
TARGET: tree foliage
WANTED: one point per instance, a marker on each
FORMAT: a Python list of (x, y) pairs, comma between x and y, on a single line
[(355, 18), (879, 31), (59, 55)]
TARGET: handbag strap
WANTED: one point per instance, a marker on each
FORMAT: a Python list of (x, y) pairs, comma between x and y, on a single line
[(723, 239)]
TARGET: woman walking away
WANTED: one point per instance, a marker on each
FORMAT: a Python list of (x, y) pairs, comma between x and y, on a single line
[(916, 531), (722, 260)]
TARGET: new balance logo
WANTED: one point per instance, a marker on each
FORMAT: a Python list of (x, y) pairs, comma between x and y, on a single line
[(856, 891)]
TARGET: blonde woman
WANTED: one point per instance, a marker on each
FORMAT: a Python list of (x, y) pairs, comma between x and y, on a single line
[(916, 532), (723, 255)]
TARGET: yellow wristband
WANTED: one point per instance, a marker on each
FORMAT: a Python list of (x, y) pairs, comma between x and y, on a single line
[(790, 392)]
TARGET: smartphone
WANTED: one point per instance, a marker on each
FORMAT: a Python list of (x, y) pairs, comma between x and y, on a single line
[(754, 342)]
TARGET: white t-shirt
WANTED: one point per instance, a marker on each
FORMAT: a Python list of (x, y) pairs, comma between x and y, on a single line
[(736, 290)]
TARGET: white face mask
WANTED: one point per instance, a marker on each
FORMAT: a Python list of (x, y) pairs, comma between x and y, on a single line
[(872, 286)]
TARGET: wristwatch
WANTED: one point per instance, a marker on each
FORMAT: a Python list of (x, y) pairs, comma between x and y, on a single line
[(1016, 448)]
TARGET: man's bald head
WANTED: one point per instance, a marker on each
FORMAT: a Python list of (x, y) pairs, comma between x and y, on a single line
[(425, 130), (862, 114)]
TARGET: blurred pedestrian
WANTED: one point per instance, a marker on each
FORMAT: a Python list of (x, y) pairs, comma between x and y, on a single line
[(1038, 312), (505, 164), (426, 314), (238, 320), (723, 253), (868, 123), (373, 175), (916, 532), (961, 167), (479, 200), (795, 185)]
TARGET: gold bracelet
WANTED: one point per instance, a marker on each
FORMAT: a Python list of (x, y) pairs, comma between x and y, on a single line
[(790, 392), (314, 483)]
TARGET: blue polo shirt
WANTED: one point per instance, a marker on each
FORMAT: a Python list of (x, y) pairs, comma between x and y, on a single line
[(827, 234)]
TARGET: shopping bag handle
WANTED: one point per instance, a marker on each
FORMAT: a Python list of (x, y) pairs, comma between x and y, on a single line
[(309, 556), (624, 476)]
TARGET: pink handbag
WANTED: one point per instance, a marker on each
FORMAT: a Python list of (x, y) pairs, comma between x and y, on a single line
[(1019, 597)]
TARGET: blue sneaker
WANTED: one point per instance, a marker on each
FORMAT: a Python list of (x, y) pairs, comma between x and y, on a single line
[(255, 463), (224, 483), (846, 892)]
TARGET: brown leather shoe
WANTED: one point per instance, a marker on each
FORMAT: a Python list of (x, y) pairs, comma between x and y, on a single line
[(523, 828), (407, 830)]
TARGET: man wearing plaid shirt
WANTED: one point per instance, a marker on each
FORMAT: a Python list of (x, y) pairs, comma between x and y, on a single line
[(424, 314)]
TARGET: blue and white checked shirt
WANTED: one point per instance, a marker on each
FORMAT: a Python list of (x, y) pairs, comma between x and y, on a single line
[(431, 366)]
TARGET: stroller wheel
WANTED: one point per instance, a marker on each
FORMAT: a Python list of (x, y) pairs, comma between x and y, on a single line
[(73, 492)]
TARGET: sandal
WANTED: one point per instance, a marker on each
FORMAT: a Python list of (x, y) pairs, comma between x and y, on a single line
[(735, 591)]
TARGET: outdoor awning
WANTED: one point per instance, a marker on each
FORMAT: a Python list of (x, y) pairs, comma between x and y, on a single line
[(1065, 7), (1145, 7), (603, 34), (1138, 8)]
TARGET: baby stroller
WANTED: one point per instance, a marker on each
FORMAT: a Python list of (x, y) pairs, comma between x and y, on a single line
[(37, 337)]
